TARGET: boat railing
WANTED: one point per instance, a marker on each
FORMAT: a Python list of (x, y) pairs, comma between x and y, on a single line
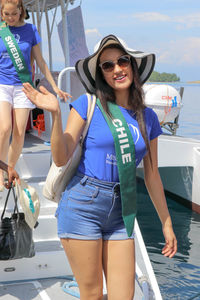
[(68, 81), (149, 268)]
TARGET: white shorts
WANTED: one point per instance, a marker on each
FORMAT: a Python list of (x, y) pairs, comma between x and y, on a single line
[(15, 96)]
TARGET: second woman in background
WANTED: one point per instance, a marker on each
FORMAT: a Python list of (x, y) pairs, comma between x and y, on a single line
[(14, 105)]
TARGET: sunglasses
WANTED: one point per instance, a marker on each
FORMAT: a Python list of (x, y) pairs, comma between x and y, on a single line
[(109, 65)]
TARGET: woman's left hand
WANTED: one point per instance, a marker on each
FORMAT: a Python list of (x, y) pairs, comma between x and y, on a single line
[(12, 176), (62, 95), (170, 247)]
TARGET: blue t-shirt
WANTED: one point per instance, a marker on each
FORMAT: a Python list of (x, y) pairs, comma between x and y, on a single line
[(26, 36), (99, 158)]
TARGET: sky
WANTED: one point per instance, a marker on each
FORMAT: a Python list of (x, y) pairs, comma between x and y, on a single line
[(168, 28)]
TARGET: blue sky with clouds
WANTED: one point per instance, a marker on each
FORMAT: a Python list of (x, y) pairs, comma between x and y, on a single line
[(168, 28)]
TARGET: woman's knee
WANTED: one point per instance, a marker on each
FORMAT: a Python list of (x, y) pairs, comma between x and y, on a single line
[(91, 293), (18, 136), (121, 292), (91, 289), (18, 139), (19, 132), (5, 131)]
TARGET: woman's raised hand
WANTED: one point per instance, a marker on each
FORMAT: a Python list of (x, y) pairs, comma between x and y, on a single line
[(43, 99)]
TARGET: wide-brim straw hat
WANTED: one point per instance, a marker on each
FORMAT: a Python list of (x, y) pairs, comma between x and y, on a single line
[(86, 68)]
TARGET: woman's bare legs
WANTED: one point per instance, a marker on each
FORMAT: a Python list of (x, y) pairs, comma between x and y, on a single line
[(20, 118), (119, 268), (5, 132), (85, 258)]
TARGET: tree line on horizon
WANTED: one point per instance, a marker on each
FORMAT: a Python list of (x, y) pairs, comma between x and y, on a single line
[(163, 77)]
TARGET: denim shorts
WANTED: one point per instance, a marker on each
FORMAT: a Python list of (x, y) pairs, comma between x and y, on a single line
[(90, 209)]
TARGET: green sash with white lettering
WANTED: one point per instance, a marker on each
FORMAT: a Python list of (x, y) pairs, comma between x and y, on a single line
[(15, 53), (125, 154)]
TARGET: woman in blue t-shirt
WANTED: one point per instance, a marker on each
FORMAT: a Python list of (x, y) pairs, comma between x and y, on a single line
[(91, 223), (12, 99)]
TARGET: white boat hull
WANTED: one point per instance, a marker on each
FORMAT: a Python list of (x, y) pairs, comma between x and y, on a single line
[(179, 166)]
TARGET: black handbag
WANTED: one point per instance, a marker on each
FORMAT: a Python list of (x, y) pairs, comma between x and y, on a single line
[(16, 237)]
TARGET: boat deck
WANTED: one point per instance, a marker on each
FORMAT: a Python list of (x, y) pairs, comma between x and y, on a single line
[(33, 143), (44, 289)]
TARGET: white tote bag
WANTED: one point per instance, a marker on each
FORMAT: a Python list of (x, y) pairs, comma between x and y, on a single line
[(58, 177)]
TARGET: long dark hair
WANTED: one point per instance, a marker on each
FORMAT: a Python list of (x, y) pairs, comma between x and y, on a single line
[(106, 93)]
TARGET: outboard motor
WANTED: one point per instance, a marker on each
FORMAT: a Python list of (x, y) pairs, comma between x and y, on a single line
[(166, 101)]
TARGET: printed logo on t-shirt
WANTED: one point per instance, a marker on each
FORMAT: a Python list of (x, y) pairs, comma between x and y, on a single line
[(111, 159), (136, 133)]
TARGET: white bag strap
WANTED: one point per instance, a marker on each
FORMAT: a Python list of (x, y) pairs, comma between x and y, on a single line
[(90, 111)]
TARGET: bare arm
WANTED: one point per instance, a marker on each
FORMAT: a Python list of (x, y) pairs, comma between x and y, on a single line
[(62, 143), (71, 137), (37, 55), (156, 192)]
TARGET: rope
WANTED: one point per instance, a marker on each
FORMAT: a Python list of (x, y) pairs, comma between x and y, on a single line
[(67, 288), (144, 286)]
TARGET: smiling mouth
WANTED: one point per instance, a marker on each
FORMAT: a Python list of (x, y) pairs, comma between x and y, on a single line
[(120, 77)]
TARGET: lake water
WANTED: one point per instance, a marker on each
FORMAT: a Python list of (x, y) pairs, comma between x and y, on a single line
[(178, 278), (189, 120)]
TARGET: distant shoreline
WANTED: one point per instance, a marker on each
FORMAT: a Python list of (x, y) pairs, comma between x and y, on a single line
[(197, 81)]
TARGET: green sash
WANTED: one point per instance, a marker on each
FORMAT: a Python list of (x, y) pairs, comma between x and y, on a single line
[(15, 54), (125, 154)]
